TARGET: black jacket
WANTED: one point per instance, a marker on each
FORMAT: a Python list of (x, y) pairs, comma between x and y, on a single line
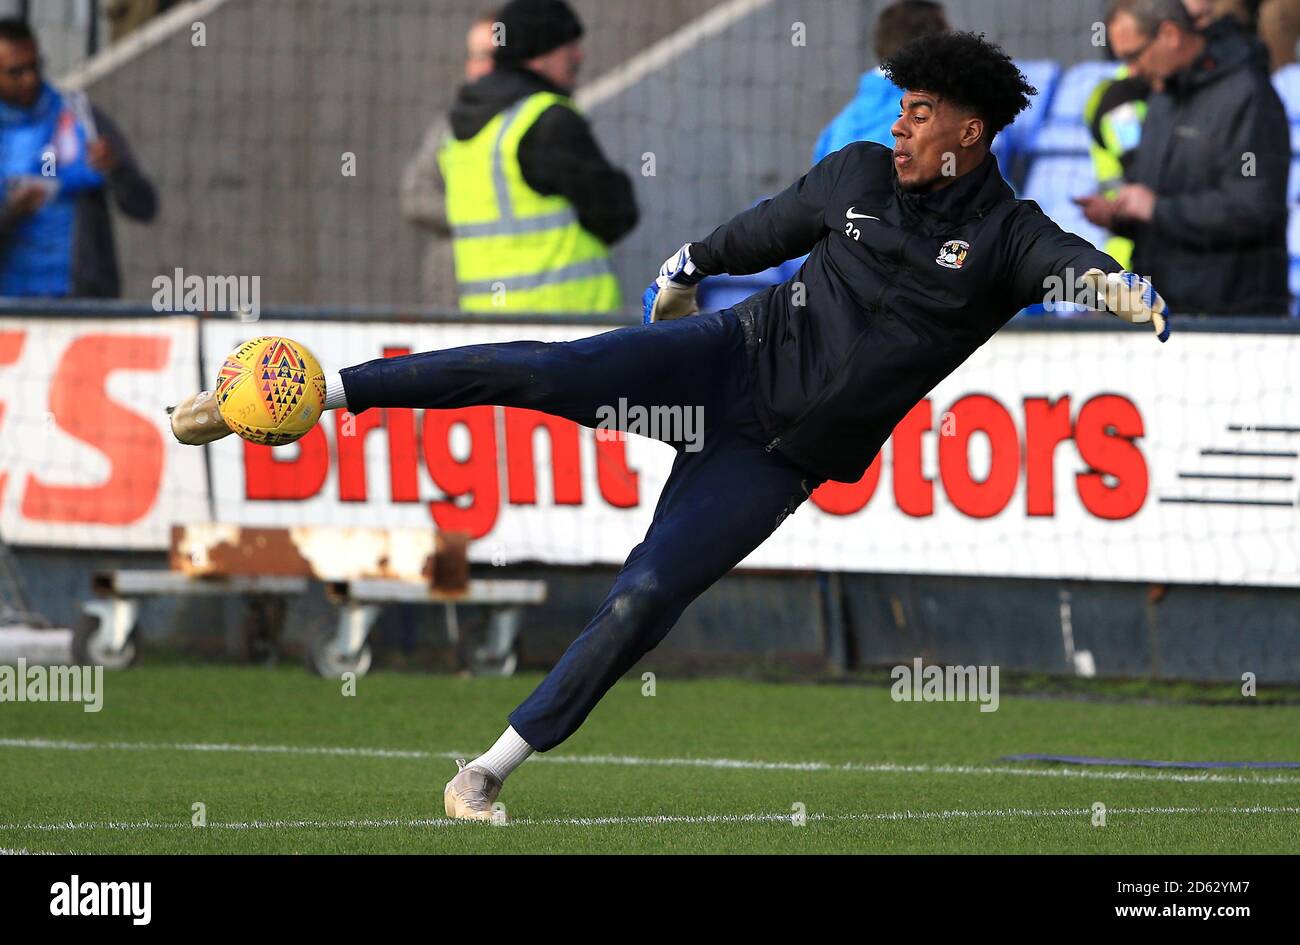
[(95, 272), (883, 319), (557, 155), (1216, 151)]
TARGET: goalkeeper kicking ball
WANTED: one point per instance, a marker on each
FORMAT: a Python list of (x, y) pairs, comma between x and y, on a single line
[(270, 390)]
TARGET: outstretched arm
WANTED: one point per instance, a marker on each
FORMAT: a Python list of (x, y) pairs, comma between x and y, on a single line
[(782, 227), (1049, 258)]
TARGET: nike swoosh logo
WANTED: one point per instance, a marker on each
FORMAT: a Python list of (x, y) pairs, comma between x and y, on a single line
[(858, 216)]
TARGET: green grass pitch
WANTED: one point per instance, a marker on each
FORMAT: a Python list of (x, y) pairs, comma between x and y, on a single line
[(284, 763)]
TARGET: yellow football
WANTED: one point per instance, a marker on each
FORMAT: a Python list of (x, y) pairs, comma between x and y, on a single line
[(270, 390)]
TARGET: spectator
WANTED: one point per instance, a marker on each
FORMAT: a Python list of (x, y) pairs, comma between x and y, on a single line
[(59, 159), (532, 201), (873, 110), (1276, 21), (1279, 28), (424, 197), (1206, 199), (1114, 114), (1205, 12)]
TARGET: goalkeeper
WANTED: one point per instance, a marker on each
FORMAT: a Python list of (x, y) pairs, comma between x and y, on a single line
[(916, 256)]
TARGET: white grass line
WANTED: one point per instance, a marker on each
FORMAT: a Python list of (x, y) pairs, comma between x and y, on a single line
[(62, 745), (892, 768), (651, 820), (1082, 812), (740, 764)]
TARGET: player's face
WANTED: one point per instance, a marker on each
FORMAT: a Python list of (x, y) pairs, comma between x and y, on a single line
[(928, 141), (20, 74)]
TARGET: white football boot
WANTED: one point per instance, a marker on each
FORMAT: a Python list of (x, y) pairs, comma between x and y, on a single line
[(471, 793)]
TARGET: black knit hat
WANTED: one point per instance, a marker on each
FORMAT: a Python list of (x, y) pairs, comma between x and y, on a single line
[(535, 27)]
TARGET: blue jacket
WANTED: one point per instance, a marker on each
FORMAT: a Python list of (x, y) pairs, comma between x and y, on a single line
[(36, 258), (867, 118)]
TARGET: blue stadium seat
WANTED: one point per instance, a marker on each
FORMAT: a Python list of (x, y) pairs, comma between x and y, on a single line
[(1043, 74), (719, 292), (1064, 131), (1074, 88), (1287, 82), (1062, 138), (1293, 234), (1293, 182), (1293, 250), (1052, 181), (1010, 145)]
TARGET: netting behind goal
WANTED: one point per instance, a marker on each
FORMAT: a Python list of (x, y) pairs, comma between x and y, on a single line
[(279, 133), (280, 137)]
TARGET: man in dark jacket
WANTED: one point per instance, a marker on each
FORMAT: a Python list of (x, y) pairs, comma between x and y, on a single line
[(532, 202), (60, 162), (915, 257), (1206, 202)]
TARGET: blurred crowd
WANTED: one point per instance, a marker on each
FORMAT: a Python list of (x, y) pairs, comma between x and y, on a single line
[(1190, 145)]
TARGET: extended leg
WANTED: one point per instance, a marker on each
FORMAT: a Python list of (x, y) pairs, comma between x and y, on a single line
[(717, 506), (668, 364)]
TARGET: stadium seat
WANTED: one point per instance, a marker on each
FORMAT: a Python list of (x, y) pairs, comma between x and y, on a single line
[(1052, 181), (1293, 234), (1294, 285), (719, 292), (1293, 183), (1010, 145), (1293, 251), (1064, 131), (1062, 138), (1043, 74), (1287, 82), (1074, 88)]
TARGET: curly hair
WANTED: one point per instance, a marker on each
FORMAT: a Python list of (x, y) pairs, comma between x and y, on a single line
[(967, 69)]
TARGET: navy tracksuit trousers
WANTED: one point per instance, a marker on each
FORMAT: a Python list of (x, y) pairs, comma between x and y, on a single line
[(718, 504)]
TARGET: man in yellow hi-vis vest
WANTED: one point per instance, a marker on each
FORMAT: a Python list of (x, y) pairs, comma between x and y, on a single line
[(1114, 114), (532, 202)]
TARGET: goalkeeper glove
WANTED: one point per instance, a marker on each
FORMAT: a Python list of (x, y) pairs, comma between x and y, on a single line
[(672, 294), (196, 420), (1131, 297)]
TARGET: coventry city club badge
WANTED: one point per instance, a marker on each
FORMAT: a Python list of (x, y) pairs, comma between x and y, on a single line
[(952, 254)]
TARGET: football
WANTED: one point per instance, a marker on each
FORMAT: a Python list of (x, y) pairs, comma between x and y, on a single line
[(270, 390)]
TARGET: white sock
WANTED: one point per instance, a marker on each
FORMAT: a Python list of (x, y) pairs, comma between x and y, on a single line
[(335, 397), (505, 756)]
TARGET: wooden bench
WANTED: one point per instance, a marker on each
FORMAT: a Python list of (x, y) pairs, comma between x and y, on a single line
[(363, 570)]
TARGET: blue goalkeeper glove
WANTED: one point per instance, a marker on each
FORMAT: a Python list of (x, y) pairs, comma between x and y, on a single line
[(672, 294), (1131, 297)]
